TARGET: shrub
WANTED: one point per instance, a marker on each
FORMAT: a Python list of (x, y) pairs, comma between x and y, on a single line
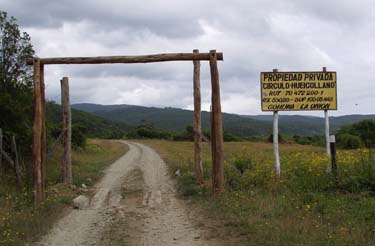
[(348, 141), (146, 132), (78, 136), (270, 138)]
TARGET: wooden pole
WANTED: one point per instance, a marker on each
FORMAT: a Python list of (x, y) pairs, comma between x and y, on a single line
[(16, 163), (37, 133), (1, 147), (217, 131), (43, 134), (197, 122), (276, 140), (213, 157), (67, 129), (333, 154), (129, 59)]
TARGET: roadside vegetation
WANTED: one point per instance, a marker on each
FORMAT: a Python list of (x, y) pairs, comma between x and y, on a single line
[(306, 206), (20, 222)]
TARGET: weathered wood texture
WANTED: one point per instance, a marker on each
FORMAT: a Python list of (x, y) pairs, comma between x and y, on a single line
[(67, 135), (16, 162), (197, 122), (129, 59), (217, 128), (37, 133), (333, 155), (43, 155)]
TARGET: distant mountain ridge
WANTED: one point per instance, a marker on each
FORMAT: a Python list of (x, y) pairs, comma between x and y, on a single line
[(175, 119)]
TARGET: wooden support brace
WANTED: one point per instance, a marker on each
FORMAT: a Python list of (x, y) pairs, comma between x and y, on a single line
[(128, 59)]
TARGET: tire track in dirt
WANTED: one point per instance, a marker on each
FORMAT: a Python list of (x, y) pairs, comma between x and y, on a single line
[(135, 204)]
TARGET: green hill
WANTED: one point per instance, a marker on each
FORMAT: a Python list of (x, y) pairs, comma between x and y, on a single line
[(93, 125), (174, 119)]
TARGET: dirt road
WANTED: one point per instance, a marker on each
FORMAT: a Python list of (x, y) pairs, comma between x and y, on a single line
[(134, 204)]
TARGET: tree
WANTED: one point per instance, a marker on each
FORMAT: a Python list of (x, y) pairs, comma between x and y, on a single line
[(16, 81), (364, 129)]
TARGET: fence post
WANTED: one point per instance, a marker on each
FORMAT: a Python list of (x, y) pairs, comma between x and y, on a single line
[(217, 128), (37, 133), (16, 162), (197, 122), (332, 142), (67, 129)]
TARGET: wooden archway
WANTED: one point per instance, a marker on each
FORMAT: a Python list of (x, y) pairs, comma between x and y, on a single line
[(217, 143)]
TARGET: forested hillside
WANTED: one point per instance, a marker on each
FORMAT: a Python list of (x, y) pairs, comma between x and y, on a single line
[(90, 124), (174, 119)]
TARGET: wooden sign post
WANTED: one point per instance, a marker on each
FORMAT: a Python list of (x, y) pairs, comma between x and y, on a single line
[(297, 91), (276, 139)]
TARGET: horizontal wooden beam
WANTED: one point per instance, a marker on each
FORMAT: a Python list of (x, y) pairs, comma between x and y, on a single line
[(127, 59)]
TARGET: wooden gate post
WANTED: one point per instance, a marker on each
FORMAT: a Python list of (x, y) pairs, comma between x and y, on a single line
[(67, 132), (43, 156), (197, 122), (216, 129), (37, 133)]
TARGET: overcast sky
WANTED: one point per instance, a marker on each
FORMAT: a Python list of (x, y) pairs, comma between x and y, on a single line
[(254, 35)]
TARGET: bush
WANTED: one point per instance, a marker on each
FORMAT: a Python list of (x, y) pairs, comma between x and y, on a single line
[(229, 137), (349, 141), (78, 136), (364, 129), (146, 132), (270, 138)]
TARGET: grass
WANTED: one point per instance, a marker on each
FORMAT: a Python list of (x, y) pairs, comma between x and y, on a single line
[(306, 206), (20, 222)]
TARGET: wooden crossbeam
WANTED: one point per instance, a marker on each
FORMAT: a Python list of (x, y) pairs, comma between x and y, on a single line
[(128, 59)]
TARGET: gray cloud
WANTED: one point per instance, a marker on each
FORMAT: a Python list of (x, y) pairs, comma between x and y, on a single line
[(255, 36)]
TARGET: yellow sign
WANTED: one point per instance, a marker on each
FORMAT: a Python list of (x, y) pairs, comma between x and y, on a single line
[(294, 91)]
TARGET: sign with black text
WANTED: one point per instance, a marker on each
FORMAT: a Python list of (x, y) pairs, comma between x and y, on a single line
[(297, 91)]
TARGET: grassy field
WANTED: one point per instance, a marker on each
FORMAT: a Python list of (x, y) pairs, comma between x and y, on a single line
[(306, 206), (20, 222)]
